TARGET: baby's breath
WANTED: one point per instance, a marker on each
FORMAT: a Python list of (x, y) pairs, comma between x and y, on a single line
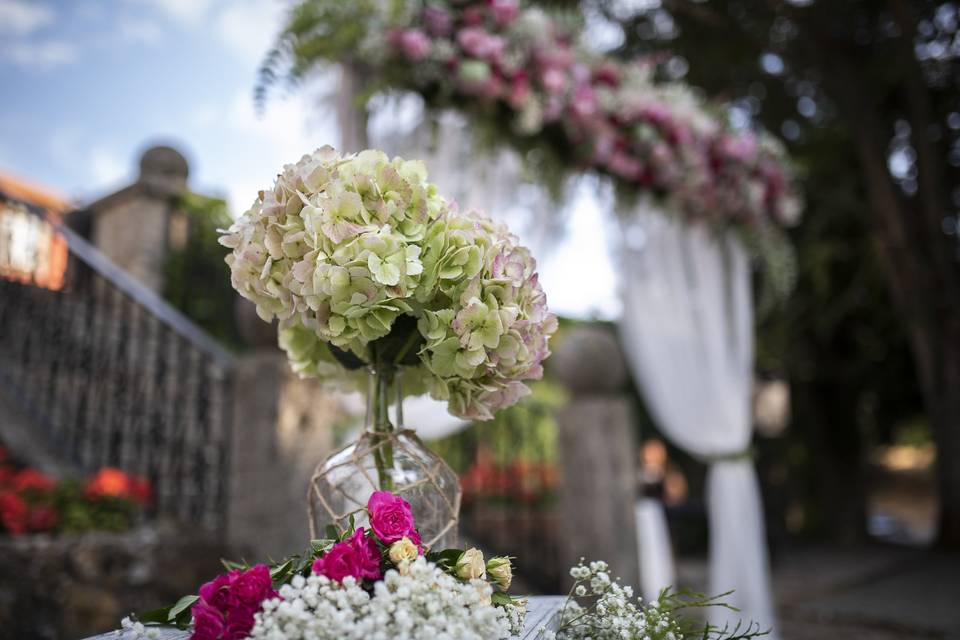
[(424, 603)]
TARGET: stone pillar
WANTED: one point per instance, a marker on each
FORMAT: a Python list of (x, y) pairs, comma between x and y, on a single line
[(283, 427), (597, 453), (131, 226)]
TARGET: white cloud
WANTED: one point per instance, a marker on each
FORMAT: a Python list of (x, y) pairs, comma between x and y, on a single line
[(249, 27), (138, 31), (106, 167), (40, 55), (23, 18), (282, 134), (187, 12)]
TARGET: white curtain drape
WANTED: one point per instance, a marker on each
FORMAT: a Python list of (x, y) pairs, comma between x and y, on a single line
[(687, 329), (653, 548)]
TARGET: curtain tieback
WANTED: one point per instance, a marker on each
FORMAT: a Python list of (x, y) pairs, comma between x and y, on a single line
[(749, 453)]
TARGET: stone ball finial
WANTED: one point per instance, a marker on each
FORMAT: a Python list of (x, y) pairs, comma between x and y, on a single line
[(589, 360), (163, 171), (164, 164)]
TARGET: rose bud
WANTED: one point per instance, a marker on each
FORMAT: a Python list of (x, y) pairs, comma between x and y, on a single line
[(500, 571)]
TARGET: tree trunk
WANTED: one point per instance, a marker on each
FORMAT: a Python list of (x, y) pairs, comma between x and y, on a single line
[(943, 402), (827, 412), (924, 298)]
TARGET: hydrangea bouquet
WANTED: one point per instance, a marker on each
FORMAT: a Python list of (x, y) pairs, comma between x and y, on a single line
[(364, 263), (373, 273)]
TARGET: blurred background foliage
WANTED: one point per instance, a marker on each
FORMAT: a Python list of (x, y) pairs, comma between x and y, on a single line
[(197, 280)]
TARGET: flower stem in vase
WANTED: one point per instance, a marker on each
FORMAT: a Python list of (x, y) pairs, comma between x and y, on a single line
[(382, 375)]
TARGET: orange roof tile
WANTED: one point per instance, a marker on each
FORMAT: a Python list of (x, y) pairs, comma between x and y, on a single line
[(25, 191)]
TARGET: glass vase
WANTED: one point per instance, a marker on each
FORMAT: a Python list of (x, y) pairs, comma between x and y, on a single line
[(387, 457)]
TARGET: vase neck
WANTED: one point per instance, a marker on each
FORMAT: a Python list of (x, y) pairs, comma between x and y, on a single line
[(383, 390)]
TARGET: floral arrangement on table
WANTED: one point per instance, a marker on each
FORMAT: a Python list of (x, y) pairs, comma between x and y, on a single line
[(33, 502), (365, 264), (376, 582), (381, 583), (525, 77), (598, 607)]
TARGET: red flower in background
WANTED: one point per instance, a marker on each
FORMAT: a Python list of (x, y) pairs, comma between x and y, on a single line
[(42, 518), (32, 480), (114, 483), (521, 479), (13, 512)]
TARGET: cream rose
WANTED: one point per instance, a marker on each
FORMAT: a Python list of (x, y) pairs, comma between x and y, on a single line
[(470, 565), (403, 550)]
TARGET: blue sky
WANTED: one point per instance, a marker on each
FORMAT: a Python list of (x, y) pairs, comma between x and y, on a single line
[(88, 84)]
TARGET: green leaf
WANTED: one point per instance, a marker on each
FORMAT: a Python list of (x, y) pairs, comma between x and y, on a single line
[(183, 605), (281, 573), (230, 565), (332, 532), (159, 616), (445, 559), (321, 546), (500, 598)]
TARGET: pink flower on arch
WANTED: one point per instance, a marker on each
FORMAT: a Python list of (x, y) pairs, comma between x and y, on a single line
[(391, 517)]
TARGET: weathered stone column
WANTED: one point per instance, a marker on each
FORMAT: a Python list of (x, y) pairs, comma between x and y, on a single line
[(597, 453), (282, 427)]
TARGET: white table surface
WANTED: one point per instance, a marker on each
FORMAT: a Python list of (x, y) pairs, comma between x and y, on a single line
[(541, 610)]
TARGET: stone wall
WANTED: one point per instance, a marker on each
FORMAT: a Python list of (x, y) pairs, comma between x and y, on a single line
[(74, 586)]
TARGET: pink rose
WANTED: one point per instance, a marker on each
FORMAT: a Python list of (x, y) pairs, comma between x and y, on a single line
[(216, 593), (337, 563), (252, 587), (391, 517), (358, 557), (239, 623), (367, 554), (207, 622)]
